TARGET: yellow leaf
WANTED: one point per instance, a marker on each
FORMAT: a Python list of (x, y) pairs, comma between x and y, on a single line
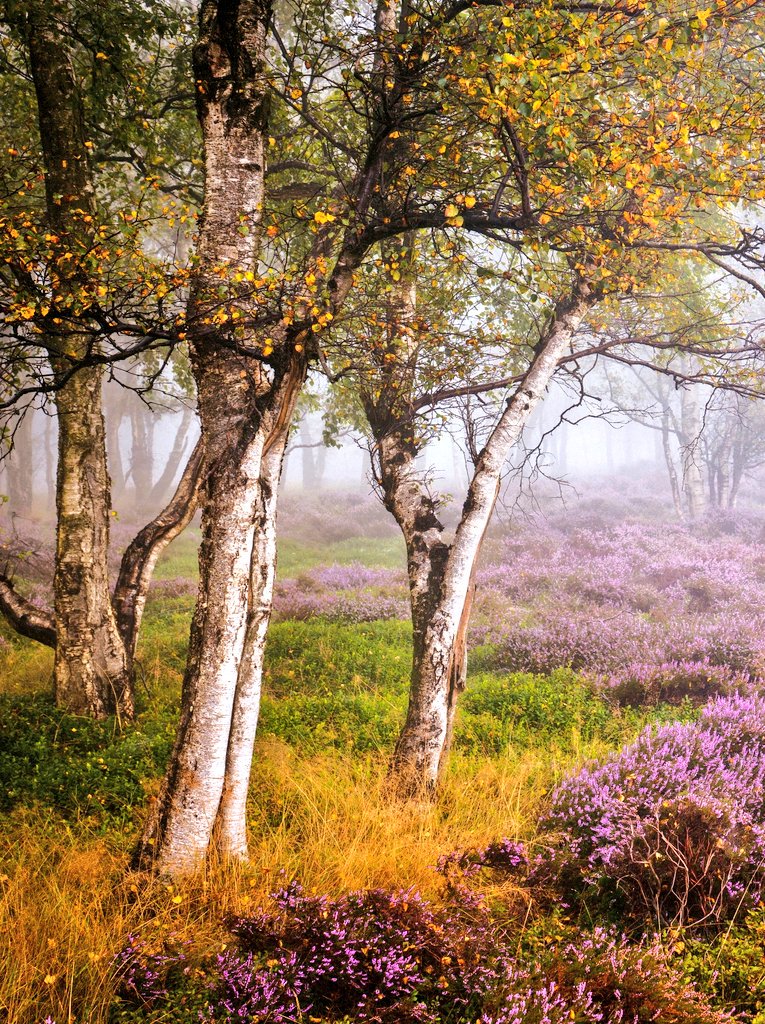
[(451, 210)]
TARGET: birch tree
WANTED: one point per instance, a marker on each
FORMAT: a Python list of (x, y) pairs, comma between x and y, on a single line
[(606, 196), (352, 100), (67, 295)]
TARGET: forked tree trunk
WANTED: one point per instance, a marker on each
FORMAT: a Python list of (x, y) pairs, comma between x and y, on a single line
[(202, 803), (441, 574), (244, 407)]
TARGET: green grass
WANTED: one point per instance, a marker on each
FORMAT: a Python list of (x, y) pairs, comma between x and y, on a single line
[(180, 558)]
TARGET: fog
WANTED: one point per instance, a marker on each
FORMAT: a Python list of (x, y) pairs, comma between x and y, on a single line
[(570, 447)]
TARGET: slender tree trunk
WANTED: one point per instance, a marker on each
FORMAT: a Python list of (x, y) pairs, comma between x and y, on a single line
[(143, 552), (91, 665), (243, 408), (20, 468), (162, 487), (669, 461), (115, 413), (307, 454), (141, 455), (441, 574), (693, 481), (232, 816)]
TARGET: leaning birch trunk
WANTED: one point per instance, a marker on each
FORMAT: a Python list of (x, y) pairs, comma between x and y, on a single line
[(90, 673), (438, 674), (142, 554)]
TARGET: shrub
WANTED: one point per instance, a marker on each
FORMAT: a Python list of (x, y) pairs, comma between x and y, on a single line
[(671, 829), (372, 956), (672, 682), (142, 974), (601, 978), (382, 957)]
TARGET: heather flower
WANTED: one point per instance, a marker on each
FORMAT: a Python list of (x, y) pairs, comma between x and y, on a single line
[(671, 828), (141, 973)]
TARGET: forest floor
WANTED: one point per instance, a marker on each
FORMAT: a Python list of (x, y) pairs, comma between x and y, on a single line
[(589, 627)]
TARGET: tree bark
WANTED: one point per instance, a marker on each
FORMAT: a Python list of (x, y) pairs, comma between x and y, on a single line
[(91, 669), (143, 552), (91, 674), (243, 407), (232, 815), (441, 574)]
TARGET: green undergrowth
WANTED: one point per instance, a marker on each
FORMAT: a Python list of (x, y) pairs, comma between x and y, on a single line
[(295, 556), (329, 688)]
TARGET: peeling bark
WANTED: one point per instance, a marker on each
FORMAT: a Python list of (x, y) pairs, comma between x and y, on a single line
[(241, 406), (231, 826), (441, 574), (91, 666)]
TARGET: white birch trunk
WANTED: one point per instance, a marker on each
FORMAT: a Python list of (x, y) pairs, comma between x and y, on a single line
[(438, 666), (231, 828)]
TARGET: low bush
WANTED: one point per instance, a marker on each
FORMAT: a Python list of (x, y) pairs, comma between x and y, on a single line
[(674, 682), (76, 765), (671, 829), (382, 956)]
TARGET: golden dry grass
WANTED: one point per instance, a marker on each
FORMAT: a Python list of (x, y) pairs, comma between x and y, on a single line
[(67, 899)]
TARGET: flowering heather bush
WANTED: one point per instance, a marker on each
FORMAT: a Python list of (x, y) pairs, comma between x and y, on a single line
[(673, 682), (142, 975), (572, 642), (672, 828), (601, 978), (343, 593), (392, 957), (371, 956)]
